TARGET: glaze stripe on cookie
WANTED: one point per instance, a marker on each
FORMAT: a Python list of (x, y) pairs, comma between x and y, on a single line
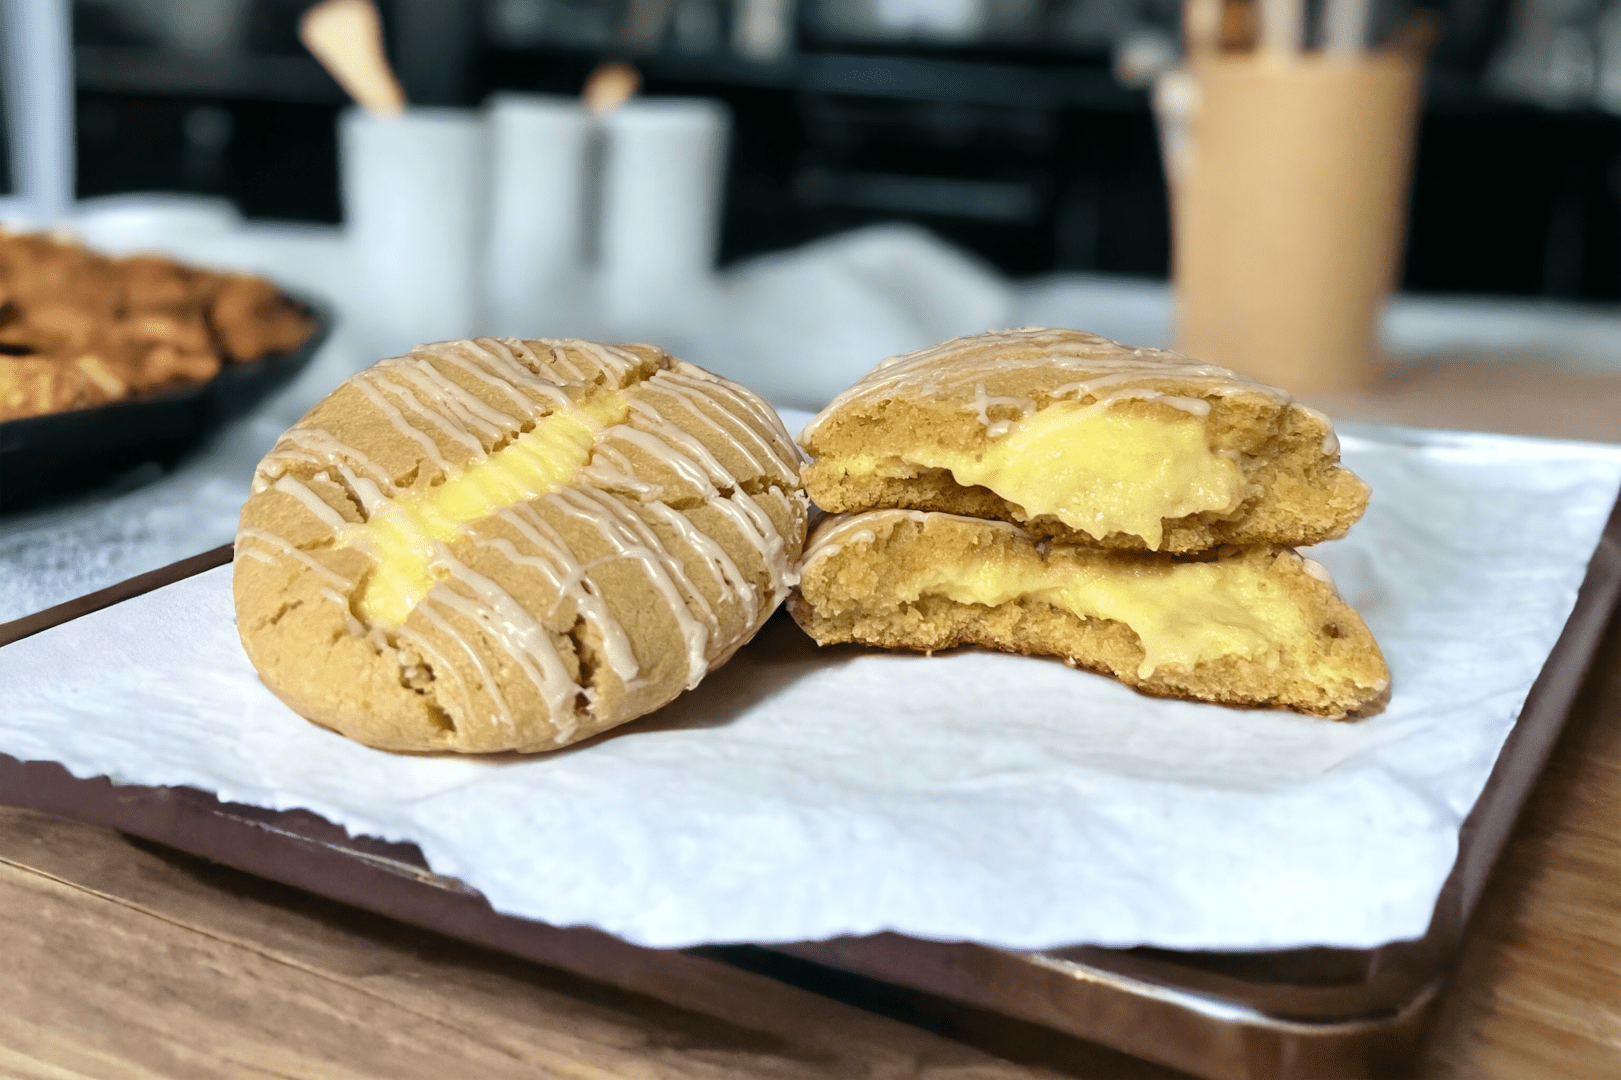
[(402, 534)]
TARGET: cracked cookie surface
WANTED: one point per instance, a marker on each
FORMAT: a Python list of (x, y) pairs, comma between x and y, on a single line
[(513, 545), (1084, 440)]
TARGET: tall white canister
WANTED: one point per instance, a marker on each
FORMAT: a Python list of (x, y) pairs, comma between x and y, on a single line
[(664, 173), (414, 194), (535, 241)]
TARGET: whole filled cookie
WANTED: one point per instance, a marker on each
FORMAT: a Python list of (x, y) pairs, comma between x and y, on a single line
[(1078, 438), (1243, 626), (513, 545)]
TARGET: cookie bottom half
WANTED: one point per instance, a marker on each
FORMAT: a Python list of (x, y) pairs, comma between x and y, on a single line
[(1256, 626)]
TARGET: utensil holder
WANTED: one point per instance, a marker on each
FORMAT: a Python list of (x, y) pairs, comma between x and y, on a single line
[(414, 197), (535, 242), (664, 172), (1290, 213)]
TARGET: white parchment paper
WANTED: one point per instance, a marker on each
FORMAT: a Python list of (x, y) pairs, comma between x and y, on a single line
[(801, 794)]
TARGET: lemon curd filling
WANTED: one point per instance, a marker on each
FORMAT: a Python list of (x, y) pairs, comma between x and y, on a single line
[(1182, 612), (1095, 468), (403, 533)]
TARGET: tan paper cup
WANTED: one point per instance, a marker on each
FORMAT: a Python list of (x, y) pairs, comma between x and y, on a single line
[(1290, 216)]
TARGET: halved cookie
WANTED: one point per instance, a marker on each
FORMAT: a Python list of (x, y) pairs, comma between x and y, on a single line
[(513, 545), (1259, 626), (1084, 440)]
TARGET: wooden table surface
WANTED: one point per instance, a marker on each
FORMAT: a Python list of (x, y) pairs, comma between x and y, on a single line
[(123, 959)]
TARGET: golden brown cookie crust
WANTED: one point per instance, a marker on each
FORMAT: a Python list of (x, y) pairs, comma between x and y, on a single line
[(853, 588), (959, 396), (547, 621)]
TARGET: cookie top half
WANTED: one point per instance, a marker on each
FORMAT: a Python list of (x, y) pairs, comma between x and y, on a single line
[(1084, 440), (499, 544)]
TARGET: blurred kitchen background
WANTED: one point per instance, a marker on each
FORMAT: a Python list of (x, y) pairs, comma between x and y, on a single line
[(895, 172), (1019, 130)]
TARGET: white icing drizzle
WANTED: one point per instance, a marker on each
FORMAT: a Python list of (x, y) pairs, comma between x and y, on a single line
[(571, 579), (983, 402), (1196, 406), (588, 602), (349, 619), (313, 445), (685, 468), (290, 485), (611, 468), (779, 448), (286, 457), (442, 669), (371, 495), (688, 447), (493, 363), (838, 531), (331, 577), (1081, 390), (1331, 441), (403, 426), (960, 363), (502, 716), (560, 360), (448, 425), (519, 634), (415, 389), (688, 399), (630, 538), (732, 583), (613, 361), (758, 528), (488, 423)]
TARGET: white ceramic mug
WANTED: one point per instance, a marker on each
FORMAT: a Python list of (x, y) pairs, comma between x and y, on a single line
[(664, 172), (414, 193), (534, 248)]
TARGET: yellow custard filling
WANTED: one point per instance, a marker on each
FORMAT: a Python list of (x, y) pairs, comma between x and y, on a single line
[(403, 533), (1093, 467), (1182, 612)]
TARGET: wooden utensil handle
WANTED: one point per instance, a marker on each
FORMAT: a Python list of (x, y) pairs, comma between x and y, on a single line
[(346, 36)]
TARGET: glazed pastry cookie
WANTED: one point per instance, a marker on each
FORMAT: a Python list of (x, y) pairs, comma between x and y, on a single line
[(1084, 440), (513, 545), (1257, 626)]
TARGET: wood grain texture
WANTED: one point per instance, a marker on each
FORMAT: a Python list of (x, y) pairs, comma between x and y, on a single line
[(1537, 990), (129, 961), (1469, 395)]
